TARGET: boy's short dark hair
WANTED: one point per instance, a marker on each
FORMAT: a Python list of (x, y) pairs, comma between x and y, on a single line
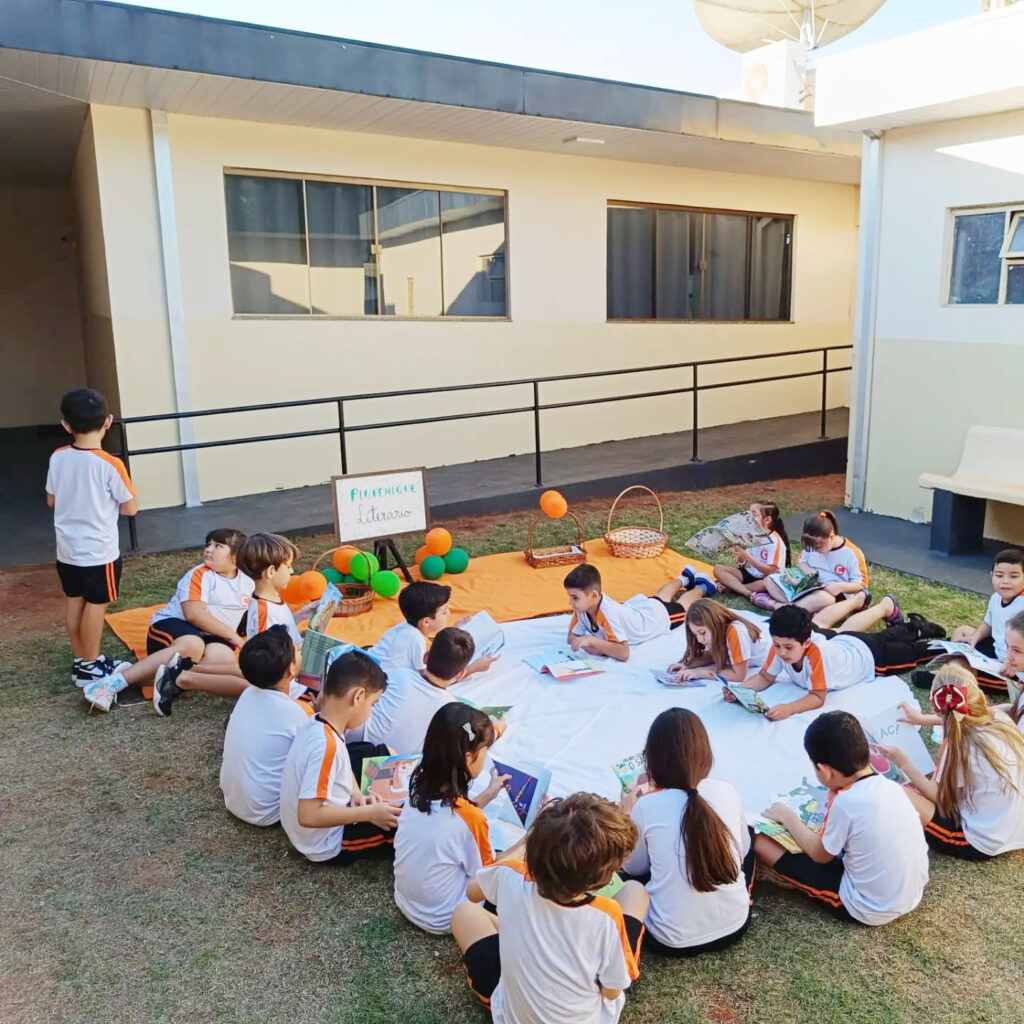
[(836, 739), (576, 844), (226, 535), (261, 551), (422, 600), (1009, 556), (352, 670), (83, 410), (791, 622), (583, 577), (266, 658), (451, 651)]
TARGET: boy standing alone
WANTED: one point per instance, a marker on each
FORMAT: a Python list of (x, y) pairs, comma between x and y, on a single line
[(87, 490)]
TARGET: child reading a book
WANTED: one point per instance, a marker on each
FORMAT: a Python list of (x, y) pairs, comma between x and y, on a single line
[(442, 838), (323, 812), (401, 716), (262, 726), (694, 843), (1007, 600), (973, 807), (870, 863), (601, 625), (720, 643), (747, 576), (556, 952)]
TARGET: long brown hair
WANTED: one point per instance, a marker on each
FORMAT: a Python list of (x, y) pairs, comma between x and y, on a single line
[(770, 511), (678, 755), (819, 527), (716, 617), (979, 730)]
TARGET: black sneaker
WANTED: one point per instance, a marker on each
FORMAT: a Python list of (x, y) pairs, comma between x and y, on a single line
[(87, 672), (922, 678), (112, 665), (923, 628), (165, 690)]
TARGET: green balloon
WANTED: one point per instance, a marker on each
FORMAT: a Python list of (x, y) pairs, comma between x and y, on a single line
[(432, 567), (332, 576), (456, 560), (386, 583), (363, 566)]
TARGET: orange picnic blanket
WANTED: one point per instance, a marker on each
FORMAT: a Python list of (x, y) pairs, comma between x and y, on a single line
[(503, 584)]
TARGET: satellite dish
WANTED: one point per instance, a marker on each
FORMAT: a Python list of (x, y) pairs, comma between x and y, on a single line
[(745, 25)]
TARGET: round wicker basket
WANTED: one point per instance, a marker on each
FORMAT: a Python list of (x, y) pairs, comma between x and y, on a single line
[(562, 554), (356, 598), (636, 541)]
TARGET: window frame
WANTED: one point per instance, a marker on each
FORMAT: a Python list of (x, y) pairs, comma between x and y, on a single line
[(750, 214), (249, 172), (1013, 215)]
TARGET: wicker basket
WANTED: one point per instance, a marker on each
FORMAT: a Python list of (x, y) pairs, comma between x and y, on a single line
[(356, 598), (563, 554), (636, 541)]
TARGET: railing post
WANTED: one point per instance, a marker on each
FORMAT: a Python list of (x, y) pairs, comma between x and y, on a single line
[(538, 468), (694, 457), (133, 532), (824, 393), (341, 436)]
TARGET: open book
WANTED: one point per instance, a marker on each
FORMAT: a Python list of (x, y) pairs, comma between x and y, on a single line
[(632, 775), (667, 679), (526, 793), (809, 800), (388, 777), (738, 530), (950, 650), (488, 636), (563, 663), (329, 602), (497, 713), (796, 581), (886, 730), (748, 698)]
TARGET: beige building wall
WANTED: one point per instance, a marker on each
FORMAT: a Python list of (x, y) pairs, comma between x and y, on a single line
[(937, 368), (40, 334), (556, 274)]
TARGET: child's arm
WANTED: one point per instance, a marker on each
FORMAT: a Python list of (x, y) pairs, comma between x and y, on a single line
[(474, 893), (928, 789), (615, 649), (811, 702), (482, 664), (808, 840), (983, 632), (51, 499), (610, 993), (321, 814), (129, 508), (743, 557), (913, 715), (199, 615), (497, 784), (758, 682)]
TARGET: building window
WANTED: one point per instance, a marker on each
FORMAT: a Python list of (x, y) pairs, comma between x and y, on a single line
[(341, 248), (667, 263), (988, 257)]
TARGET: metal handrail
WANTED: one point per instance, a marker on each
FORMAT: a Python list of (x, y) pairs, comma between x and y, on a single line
[(536, 407)]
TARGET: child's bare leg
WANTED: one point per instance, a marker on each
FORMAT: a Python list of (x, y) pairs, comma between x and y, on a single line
[(832, 615), (731, 579), (962, 634), (223, 685), (757, 586), (773, 590), (924, 807), (143, 671), (691, 597), (669, 591), (90, 630), (471, 923), (634, 900), (862, 621), (217, 660), (767, 850), (73, 608)]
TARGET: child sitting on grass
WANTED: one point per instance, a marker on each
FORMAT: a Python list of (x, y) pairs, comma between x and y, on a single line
[(1006, 601), (754, 564), (870, 863), (601, 625), (323, 811), (262, 726), (268, 559), (556, 952), (443, 838), (720, 643)]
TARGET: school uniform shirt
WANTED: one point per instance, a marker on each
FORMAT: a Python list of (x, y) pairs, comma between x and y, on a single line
[(996, 617), (225, 598), (553, 957), (436, 857), (316, 768), (828, 664), (679, 916), (631, 622), (89, 487), (773, 554), (844, 564), (740, 647), (401, 716), (261, 614), (260, 732), (402, 646), (877, 830)]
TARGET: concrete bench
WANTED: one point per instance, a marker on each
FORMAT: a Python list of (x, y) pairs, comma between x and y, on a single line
[(991, 469)]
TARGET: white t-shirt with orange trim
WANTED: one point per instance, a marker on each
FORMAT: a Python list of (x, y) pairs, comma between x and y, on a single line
[(828, 664), (554, 957), (225, 598), (402, 646), (997, 615), (436, 856), (740, 647), (262, 614), (844, 564), (401, 716), (631, 622), (260, 732), (316, 768), (772, 554), (89, 487)]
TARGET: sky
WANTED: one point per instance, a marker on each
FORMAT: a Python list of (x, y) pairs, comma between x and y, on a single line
[(649, 42)]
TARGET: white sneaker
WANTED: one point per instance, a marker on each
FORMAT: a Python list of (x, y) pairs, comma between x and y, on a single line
[(103, 692)]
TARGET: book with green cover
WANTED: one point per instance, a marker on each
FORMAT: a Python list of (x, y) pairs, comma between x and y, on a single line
[(388, 777), (809, 800), (796, 581), (632, 775), (747, 698)]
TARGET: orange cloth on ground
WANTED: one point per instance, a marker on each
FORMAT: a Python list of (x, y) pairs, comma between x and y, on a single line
[(503, 584)]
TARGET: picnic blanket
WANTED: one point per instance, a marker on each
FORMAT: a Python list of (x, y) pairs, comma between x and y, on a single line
[(503, 584)]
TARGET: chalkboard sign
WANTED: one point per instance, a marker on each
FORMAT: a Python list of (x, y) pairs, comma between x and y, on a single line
[(368, 506)]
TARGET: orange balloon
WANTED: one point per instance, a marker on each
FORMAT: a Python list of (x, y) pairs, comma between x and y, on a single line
[(553, 504), (439, 541), (312, 585), (342, 558), (292, 594), (421, 553)]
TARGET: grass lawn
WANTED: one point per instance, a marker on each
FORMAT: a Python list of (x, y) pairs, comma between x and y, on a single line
[(129, 894)]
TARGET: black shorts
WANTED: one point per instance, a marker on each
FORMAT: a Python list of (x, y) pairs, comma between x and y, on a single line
[(746, 576), (162, 633), (849, 597), (945, 835), (676, 612), (97, 584), (483, 959), (986, 647), (364, 839), (819, 881), (893, 650)]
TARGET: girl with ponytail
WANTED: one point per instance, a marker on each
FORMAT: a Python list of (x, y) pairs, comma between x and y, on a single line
[(753, 565), (694, 843), (720, 643)]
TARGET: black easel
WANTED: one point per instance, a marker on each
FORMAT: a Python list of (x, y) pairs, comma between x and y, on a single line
[(380, 550)]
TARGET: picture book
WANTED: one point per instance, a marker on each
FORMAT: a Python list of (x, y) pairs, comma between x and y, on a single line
[(329, 602), (796, 581), (772, 829), (526, 793), (632, 775), (612, 889), (950, 650), (809, 800), (563, 664), (750, 699), (497, 713), (886, 730), (388, 777), (488, 636), (738, 530), (667, 679)]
